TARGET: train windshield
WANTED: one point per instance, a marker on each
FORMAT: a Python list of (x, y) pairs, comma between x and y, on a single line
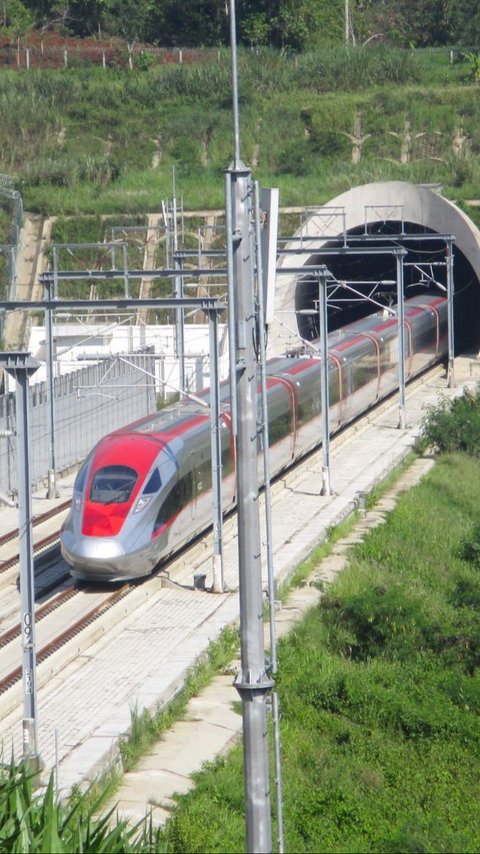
[(113, 484)]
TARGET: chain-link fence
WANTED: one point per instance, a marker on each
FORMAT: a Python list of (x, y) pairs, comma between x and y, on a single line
[(87, 404)]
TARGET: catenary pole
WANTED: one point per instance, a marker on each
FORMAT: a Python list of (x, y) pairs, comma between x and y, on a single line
[(253, 682), (216, 450), (322, 308), (52, 487), (21, 366), (402, 417), (451, 315), (269, 525)]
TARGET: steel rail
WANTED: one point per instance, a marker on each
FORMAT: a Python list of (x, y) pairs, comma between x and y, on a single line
[(73, 630)]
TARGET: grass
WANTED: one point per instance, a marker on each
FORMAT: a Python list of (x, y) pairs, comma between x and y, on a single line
[(379, 691), (380, 695), (99, 141)]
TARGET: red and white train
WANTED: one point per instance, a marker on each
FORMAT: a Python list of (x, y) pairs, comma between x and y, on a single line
[(146, 489)]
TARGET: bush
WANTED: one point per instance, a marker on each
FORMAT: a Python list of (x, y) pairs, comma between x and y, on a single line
[(453, 425)]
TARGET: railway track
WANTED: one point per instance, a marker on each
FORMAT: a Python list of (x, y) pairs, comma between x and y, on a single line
[(60, 639), (36, 522), (72, 620), (46, 552)]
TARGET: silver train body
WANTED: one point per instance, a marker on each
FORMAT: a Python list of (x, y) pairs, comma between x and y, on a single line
[(145, 490)]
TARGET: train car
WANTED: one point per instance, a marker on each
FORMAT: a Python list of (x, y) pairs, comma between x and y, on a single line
[(146, 489)]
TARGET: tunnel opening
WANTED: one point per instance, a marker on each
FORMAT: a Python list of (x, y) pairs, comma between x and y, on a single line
[(373, 277)]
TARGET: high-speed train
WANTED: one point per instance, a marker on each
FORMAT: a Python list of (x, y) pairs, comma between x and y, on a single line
[(146, 489)]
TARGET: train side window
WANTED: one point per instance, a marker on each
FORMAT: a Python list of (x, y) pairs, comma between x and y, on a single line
[(309, 407), (178, 498), (227, 458), (154, 483), (334, 385), (113, 484), (81, 475), (279, 427), (364, 368), (204, 474)]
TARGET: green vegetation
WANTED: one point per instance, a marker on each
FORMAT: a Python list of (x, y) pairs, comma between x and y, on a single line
[(453, 425), (98, 141), (380, 698), (32, 823), (380, 694), (283, 23)]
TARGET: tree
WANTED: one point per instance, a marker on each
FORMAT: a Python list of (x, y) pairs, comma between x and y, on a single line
[(463, 19), (200, 23), (407, 22), (17, 19), (17, 22)]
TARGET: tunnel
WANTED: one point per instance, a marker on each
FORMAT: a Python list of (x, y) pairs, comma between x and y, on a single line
[(353, 236)]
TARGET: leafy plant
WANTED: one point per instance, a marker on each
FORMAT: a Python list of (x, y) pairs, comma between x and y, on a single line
[(473, 62), (453, 425), (39, 823)]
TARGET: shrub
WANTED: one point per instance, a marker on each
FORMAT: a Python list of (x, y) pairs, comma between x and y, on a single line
[(453, 425)]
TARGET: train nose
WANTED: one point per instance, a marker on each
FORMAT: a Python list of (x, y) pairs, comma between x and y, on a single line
[(98, 548), (97, 558)]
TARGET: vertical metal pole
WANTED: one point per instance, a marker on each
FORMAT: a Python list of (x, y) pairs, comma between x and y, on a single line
[(52, 488), (324, 389), (231, 300), (402, 422), (451, 316), (55, 271), (175, 231), (235, 115), (21, 366), (253, 682), (216, 445), (12, 277), (268, 526), (125, 272), (179, 322)]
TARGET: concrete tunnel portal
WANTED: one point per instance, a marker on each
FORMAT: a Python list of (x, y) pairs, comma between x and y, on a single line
[(384, 215)]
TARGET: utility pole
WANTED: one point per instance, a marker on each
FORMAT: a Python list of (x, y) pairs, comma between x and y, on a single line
[(253, 683), (21, 366)]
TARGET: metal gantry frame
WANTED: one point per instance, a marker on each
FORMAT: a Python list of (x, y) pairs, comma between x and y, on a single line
[(367, 247)]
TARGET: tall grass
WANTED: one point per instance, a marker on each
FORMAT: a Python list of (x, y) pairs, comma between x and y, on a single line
[(104, 140)]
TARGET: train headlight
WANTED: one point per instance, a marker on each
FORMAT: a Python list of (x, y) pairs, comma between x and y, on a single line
[(77, 501), (142, 503)]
